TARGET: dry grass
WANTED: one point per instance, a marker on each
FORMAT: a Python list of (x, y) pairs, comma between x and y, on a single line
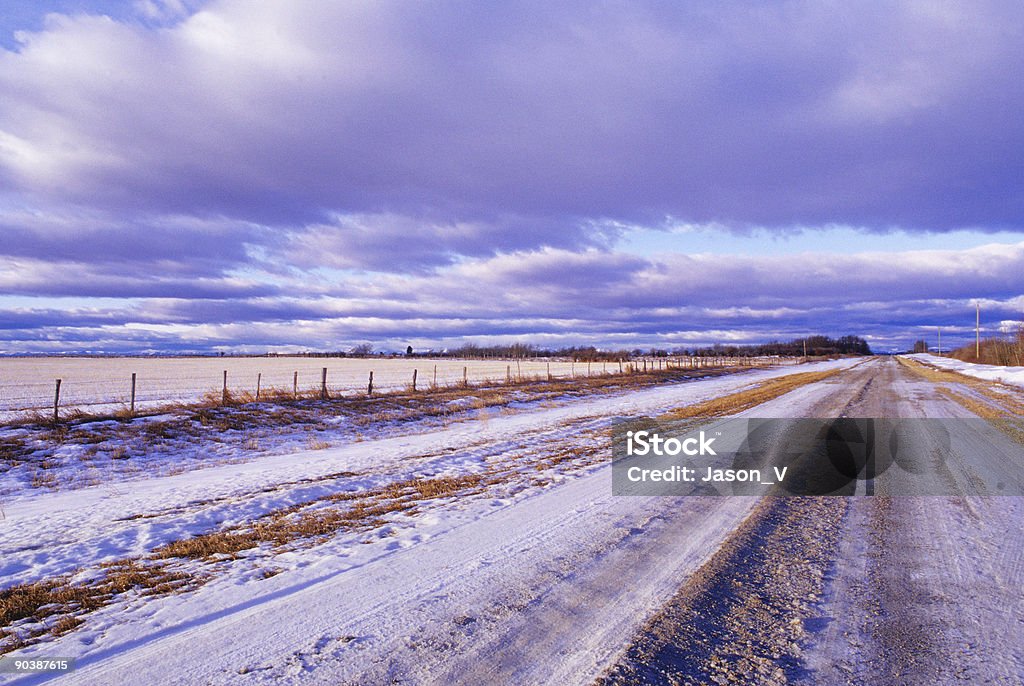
[(1001, 409), (67, 602), (1006, 421), (744, 400), (1009, 402), (935, 374), (292, 524), (314, 443), (44, 479)]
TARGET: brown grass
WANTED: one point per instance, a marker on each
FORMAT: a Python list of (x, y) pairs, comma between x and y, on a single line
[(1008, 404), (1001, 409), (744, 400), (289, 525), (935, 374), (314, 443), (59, 598), (1007, 422)]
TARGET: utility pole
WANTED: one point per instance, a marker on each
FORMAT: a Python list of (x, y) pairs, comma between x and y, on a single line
[(940, 340), (977, 330)]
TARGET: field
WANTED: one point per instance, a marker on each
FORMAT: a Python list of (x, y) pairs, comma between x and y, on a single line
[(472, 535), (101, 384)]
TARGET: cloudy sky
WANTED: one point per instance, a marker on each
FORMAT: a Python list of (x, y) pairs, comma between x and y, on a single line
[(251, 175)]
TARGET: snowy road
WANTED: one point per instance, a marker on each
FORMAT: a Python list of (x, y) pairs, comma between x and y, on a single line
[(902, 589), (543, 576)]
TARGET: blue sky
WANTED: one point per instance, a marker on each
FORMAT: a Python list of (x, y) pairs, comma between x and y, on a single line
[(181, 175)]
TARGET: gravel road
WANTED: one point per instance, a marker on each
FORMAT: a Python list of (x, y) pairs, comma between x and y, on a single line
[(886, 589)]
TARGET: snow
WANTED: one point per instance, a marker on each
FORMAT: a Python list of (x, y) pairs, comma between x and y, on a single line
[(988, 372), (453, 571), (104, 383)]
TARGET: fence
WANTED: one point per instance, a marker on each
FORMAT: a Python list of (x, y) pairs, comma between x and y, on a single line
[(99, 385)]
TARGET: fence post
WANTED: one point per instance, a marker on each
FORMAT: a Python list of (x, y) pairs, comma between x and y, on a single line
[(549, 371), (369, 386), (224, 394), (465, 376), (414, 380), (56, 401), (434, 384), (259, 379), (131, 412), (295, 384), (323, 383)]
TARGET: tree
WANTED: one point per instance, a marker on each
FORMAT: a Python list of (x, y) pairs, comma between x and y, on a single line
[(408, 350), (362, 350)]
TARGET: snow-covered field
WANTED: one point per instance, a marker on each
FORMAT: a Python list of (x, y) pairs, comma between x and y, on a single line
[(988, 372), (450, 568), (104, 383)]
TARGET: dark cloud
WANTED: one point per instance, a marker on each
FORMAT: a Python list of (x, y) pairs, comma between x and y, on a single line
[(744, 113), (65, 279)]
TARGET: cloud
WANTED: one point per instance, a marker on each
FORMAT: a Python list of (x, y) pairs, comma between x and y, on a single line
[(564, 297), (284, 174), (278, 112)]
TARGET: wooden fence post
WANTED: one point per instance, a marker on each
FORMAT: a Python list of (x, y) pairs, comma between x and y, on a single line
[(369, 386), (56, 402), (465, 376), (259, 380), (323, 383), (224, 393), (131, 412), (414, 381), (549, 371), (295, 384), (620, 365), (434, 384)]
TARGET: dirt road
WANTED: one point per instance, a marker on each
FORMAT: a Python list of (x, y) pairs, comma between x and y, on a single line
[(858, 590)]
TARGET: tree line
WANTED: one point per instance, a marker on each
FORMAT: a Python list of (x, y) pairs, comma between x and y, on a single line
[(817, 346)]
